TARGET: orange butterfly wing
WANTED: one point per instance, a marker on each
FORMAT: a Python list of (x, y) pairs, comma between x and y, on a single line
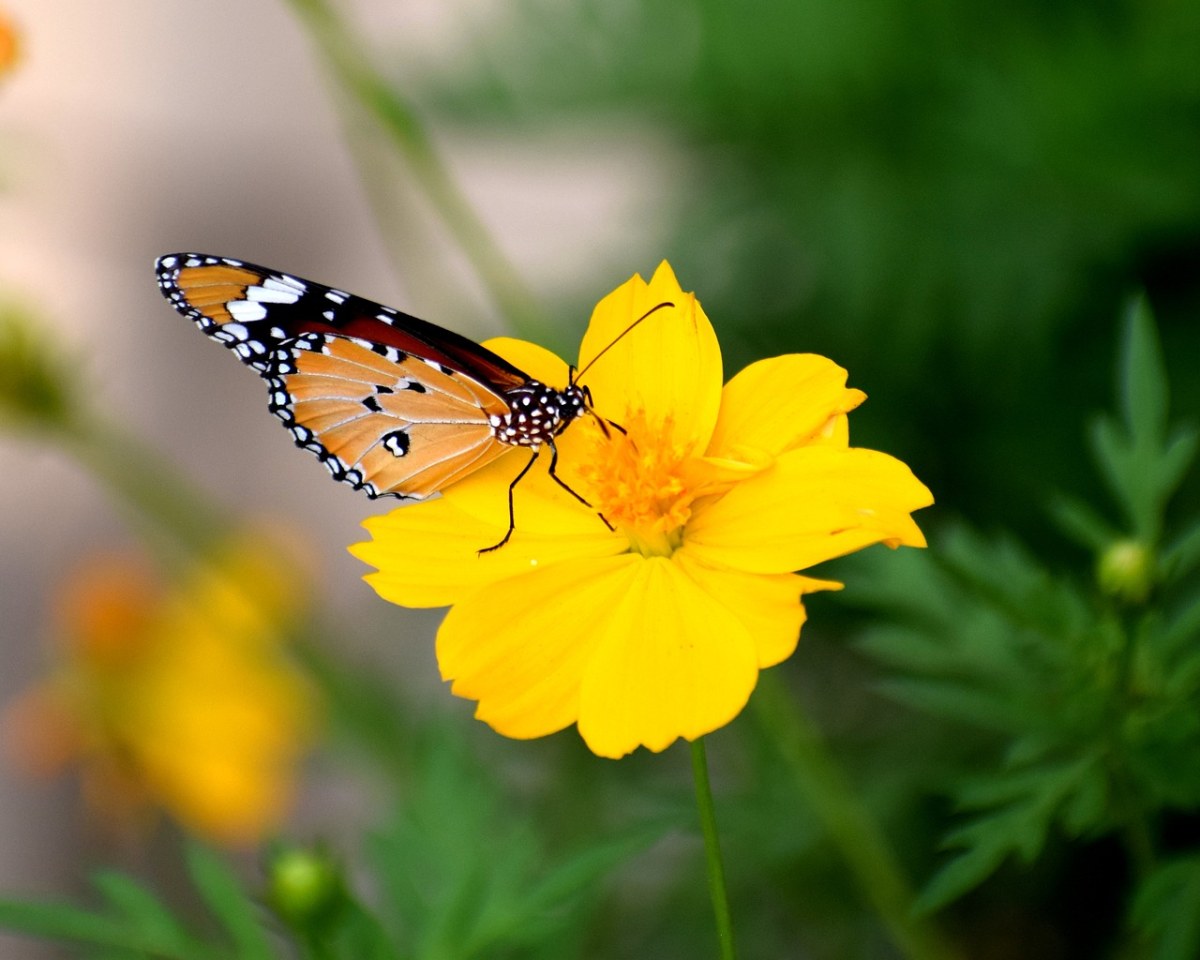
[(382, 423), (391, 404)]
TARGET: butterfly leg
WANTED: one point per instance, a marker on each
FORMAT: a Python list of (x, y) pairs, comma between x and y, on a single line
[(512, 517), (562, 483)]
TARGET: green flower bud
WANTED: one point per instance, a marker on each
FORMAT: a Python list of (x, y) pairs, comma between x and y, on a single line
[(304, 887), (34, 379), (1126, 570)]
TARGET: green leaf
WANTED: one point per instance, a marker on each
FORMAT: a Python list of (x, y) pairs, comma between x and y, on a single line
[(1166, 909), (1182, 555), (1114, 457), (223, 895), (360, 936), (954, 700), (1176, 458), (143, 909), (1081, 523), (1183, 628), (962, 874), (439, 897), (526, 920), (57, 921), (1141, 465), (1142, 379), (1087, 804), (1024, 804)]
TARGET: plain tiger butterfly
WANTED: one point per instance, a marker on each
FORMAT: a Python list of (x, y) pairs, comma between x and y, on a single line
[(391, 404)]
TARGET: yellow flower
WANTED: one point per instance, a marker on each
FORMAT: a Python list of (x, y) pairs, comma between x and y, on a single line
[(179, 698), (657, 628)]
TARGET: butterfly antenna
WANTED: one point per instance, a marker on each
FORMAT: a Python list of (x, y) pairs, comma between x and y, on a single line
[(619, 337)]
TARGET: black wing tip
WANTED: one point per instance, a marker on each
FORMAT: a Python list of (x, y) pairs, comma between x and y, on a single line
[(172, 262), (169, 264)]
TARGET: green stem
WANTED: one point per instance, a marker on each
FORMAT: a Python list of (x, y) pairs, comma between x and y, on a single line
[(397, 119), (712, 849), (313, 947), (1137, 832), (848, 823)]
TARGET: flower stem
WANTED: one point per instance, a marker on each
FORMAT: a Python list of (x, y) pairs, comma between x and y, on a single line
[(848, 823), (1136, 830), (399, 121), (712, 849), (313, 948)]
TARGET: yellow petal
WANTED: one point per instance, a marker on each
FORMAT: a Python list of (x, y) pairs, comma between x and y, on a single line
[(781, 403), (669, 366), (816, 503), (226, 792), (540, 363), (427, 554), (215, 726), (768, 605), (539, 504), (671, 662), (836, 433), (520, 646), (705, 475)]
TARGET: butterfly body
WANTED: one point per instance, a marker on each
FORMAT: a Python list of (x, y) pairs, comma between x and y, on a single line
[(391, 404)]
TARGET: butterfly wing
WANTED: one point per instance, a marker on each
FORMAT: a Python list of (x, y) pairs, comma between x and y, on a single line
[(391, 404)]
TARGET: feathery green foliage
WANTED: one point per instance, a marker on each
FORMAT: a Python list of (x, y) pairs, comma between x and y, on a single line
[(1081, 696)]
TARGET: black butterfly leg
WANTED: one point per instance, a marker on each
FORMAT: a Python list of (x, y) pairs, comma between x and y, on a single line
[(563, 483), (512, 518)]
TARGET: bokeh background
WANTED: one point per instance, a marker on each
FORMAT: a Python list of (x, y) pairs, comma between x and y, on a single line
[(953, 202)]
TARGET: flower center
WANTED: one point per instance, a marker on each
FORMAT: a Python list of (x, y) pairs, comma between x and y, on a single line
[(637, 479)]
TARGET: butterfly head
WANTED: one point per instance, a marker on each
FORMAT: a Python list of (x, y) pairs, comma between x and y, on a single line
[(538, 413), (575, 400)]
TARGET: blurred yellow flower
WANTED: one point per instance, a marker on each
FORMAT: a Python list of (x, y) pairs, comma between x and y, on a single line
[(656, 629), (180, 698), (9, 46)]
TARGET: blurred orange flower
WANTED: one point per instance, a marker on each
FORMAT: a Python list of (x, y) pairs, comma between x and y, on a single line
[(10, 48), (179, 697)]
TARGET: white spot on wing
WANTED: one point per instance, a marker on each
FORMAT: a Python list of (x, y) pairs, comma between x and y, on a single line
[(285, 283), (245, 310), (271, 292)]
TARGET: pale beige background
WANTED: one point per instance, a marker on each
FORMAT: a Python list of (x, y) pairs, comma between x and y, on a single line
[(137, 127)]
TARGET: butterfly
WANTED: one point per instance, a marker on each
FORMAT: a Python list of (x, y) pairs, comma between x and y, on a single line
[(391, 404)]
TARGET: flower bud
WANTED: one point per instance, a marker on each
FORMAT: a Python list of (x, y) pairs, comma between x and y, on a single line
[(304, 887), (1125, 570), (34, 376)]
